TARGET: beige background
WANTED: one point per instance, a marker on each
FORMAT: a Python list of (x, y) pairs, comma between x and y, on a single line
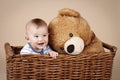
[(102, 15)]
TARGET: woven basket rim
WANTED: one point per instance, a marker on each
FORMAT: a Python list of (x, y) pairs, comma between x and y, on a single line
[(10, 53)]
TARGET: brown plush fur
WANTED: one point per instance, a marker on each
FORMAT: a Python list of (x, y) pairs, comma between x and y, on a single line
[(69, 21)]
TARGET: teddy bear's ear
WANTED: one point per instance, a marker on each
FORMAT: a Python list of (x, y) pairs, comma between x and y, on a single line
[(69, 12)]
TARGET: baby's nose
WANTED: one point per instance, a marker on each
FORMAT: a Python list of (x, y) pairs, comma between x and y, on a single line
[(40, 38)]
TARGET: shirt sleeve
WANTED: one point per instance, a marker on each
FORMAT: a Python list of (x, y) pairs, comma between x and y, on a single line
[(27, 50), (47, 49)]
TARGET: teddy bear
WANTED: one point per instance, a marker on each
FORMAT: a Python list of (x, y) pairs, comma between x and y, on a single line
[(70, 33)]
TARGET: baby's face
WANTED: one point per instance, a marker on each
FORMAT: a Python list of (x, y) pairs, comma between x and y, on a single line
[(37, 37)]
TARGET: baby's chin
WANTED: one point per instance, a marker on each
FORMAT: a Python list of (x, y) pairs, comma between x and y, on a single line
[(40, 47)]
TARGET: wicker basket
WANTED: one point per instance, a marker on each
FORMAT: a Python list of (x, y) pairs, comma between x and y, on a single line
[(65, 67)]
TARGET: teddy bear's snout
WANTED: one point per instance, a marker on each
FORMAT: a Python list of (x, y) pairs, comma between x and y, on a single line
[(73, 46)]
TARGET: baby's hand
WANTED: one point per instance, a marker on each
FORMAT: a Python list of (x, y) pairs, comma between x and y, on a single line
[(53, 54)]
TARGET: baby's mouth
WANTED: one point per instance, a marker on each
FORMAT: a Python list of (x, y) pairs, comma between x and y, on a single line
[(40, 44)]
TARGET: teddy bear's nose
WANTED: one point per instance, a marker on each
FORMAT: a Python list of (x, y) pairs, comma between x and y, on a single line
[(70, 48)]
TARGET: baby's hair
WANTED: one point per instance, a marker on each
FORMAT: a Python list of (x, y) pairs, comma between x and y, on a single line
[(37, 21)]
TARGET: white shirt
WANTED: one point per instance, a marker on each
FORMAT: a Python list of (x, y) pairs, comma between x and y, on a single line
[(27, 49)]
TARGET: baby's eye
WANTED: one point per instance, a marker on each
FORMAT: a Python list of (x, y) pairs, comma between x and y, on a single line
[(36, 36), (44, 35)]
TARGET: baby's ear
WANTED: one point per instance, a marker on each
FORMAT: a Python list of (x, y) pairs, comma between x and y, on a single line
[(26, 37)]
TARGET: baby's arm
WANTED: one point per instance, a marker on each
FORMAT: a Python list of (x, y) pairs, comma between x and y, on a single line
[(50, 52), (53, 54)]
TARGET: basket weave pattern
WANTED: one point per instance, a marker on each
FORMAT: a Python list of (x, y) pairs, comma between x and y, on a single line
[(65, 67)]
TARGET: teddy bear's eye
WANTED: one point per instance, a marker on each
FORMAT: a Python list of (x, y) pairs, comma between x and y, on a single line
[(70, 34), (61, 48)]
